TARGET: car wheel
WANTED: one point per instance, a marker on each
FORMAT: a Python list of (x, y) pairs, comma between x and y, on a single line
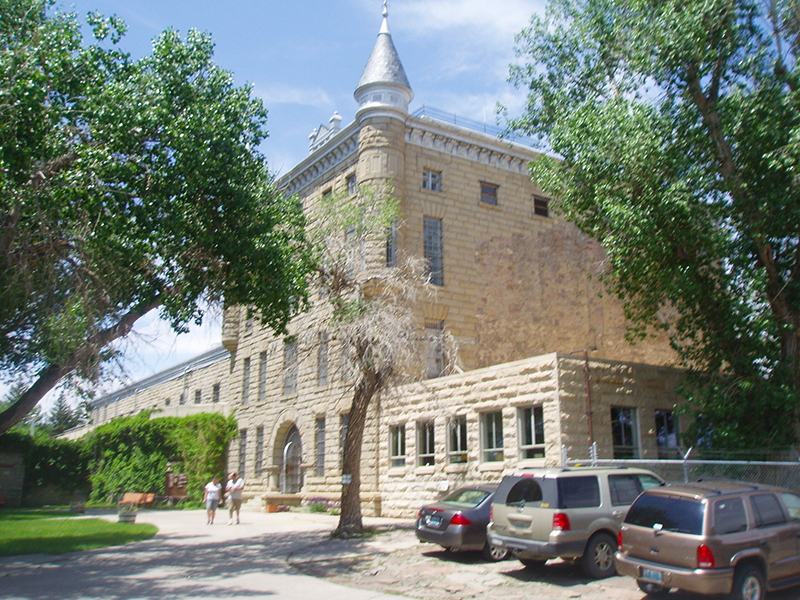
[(748, 584), (494, 553), (651, 589), (598, 559), (532, 563)]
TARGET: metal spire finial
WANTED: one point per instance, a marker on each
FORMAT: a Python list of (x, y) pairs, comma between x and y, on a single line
[(385, 24), (385, 8)]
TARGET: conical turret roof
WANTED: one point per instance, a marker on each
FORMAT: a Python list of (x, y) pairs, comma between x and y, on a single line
[(384, 73)]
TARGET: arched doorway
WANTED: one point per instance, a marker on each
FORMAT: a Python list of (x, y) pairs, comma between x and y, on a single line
[(291, 475)]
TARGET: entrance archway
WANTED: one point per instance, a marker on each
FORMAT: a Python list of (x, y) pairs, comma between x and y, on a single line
[(291, 474)]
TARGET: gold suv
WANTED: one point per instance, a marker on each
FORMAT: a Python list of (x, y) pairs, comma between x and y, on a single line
[(572, 513), (712, 537)]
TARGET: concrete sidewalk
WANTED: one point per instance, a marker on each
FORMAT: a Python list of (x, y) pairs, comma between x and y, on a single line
[(188, 559)]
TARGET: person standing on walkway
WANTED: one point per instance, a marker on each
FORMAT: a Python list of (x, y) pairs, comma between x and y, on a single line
[(234, 488), (211, 498)]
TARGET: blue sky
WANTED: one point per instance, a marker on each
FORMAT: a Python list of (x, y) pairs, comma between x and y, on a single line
[(304, 58)]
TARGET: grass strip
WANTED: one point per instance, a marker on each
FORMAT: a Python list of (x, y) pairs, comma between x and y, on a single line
[(56, 536)]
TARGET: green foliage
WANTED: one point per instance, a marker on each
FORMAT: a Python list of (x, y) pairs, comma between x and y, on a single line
[(62, 464), (677, 127), (127, 185), (131, 453)]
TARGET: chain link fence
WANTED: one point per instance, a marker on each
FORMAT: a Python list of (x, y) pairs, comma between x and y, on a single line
[(693, 466)]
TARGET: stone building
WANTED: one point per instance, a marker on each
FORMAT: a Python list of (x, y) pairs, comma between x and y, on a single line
[(544, 355)]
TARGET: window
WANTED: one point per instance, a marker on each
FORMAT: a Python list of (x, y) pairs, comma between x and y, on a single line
[(246, 382), (792, 503), (322, 360), (729, 516), (352, 185), (492, 436), (426, 449), (262, 377), (667, 433), (433, 250), (347, 364), (489, 193), (182, 399), (397, 446), (248, 322), (531, 432), (541, 206), (434, 349), (432, 180), (525, 492), (623, 431), (198, 396), (167, 402), (624, 489), (767, 510), (215, 393), (290, 367), (391, 245), (345, 424), (259, 451), (457, 440), (242, 452), (319, 466), (579, 492)]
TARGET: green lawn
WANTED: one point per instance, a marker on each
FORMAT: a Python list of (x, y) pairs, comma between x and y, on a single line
[(53, 532)]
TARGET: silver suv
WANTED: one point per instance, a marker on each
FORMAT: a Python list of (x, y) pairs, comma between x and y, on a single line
[(572, 513), (712, 537)]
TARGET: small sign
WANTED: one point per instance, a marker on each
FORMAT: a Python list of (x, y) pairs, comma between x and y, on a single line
[(347, 479)]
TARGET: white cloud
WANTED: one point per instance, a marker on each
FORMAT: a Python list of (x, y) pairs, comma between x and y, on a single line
[(287, 94)]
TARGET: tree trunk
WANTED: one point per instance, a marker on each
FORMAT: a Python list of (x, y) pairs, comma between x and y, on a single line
[(350, 517), (51, 374)]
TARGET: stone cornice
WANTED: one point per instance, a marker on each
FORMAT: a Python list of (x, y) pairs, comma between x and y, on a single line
[(472, 145), (321, 162)]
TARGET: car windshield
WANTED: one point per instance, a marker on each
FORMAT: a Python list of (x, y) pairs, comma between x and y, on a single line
[(466, 497), (673, 514)]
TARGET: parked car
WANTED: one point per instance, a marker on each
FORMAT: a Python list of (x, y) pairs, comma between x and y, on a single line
[(458, 521), (572, 513), (712, 537)]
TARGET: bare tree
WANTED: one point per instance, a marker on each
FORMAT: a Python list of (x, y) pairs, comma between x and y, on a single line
[(371, 292)]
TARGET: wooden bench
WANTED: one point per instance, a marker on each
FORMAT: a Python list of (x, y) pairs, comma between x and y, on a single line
[(133, 499)]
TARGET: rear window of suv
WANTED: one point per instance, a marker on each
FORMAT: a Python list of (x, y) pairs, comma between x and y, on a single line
[(674, 514), (532, 492)]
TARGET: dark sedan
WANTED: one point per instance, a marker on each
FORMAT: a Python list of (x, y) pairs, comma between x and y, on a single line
[(458, 521)]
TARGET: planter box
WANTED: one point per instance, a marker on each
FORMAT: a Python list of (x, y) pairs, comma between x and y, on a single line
[(271, 508), (127, 517)]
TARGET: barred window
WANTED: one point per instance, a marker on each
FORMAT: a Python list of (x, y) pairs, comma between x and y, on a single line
[(492, 436), (242, 452), (215, 393), (434, 349), (246, 382), (259, 451), (397, 446), (457, 440), (322, 360), (531, 432), (489, 193), (433, 250), (319, 466), (262, 377), (290, 367), (426, 448)]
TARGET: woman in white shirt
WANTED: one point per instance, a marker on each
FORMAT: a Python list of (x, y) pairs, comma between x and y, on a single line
[(211, 498)]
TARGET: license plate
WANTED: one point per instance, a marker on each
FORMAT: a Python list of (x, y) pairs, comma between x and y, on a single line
[(651, 575), (436, 521)]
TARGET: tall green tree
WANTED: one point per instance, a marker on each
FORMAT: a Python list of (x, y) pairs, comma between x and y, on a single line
[(677, 125), (127, 186)]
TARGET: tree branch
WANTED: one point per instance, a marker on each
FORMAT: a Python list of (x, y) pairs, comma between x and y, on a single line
[(51, 374)]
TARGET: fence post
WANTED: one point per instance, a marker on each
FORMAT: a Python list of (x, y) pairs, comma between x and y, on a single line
[(686, 465), (564, 461), (593, 453)]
